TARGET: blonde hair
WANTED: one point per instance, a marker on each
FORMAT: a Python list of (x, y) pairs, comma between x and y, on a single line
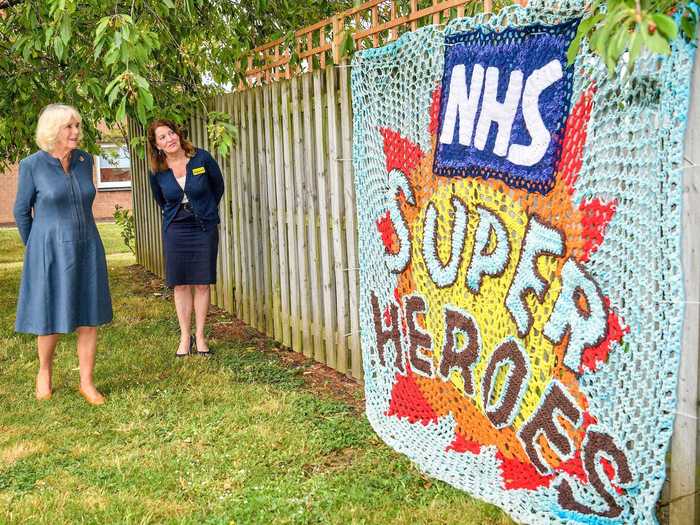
[(51, 119)]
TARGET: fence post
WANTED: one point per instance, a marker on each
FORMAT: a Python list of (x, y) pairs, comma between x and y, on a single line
[(683, 509), (336, 43)]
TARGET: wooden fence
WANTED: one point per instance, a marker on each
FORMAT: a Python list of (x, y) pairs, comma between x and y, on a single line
[(287, 252), (371, 24)]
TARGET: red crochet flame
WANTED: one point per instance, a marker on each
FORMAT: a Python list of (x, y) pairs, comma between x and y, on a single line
[(407, 401), (592, 357), (435, 111), (595, 217), (461, 445), (401, 154), (519, 475), (575, 132), (388, 233)]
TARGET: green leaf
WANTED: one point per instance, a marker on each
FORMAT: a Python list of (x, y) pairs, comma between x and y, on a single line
[(141, 82), (583, 29), (666, 25), (111, 56), (121, 110), (112, 84), (98, 50), (101, 28), (141, 113), (169, 4), (113, 95), (619, 42), (58, 48), (635, 48), (348, 44), (125, 54), (66, 30), (688, 25), (49, 35), (147, 99), (658, 44)]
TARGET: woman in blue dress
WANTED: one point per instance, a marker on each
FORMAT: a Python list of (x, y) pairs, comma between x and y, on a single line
[(64, 286), (187, 185)]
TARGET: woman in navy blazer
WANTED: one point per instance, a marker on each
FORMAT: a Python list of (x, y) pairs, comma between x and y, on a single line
[(187, 185)]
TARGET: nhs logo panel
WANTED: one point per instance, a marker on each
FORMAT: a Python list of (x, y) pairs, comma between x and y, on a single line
[(505, 98)]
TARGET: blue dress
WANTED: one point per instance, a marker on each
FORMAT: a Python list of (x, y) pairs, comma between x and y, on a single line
[(64, 281)]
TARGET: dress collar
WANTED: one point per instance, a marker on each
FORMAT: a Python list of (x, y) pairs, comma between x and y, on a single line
[(74, 154)]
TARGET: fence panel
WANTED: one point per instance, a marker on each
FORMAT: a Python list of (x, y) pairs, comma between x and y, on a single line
[(287, 253)]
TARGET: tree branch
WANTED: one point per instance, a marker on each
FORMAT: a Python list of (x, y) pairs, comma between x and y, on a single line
[(6, 4)]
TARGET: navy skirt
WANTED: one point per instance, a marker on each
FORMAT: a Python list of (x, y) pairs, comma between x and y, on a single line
[(190, 251)]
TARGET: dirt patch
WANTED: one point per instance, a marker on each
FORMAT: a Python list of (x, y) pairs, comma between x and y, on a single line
[(224, 326), (336, 460), (20, 451)]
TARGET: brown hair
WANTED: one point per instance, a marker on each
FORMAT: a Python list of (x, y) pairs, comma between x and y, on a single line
[(155, 156)]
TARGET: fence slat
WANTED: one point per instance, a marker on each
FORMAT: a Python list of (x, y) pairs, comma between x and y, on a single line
[(293, 268), (223, 254), (272, 201), (225, 228), (283, 266), (350, 228), (315, 289), (234, 161), (249, 307), (264, 175), (340, 263), (240, 182), (329, 313), (301, 244), (255, 241)]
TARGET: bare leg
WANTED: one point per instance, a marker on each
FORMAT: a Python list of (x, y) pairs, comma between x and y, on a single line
[(201, 307), (46, 345), (183, 307), (87, 348)]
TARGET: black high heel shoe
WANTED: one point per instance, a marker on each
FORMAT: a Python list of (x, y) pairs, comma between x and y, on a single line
[(203, 354), (189, 349)]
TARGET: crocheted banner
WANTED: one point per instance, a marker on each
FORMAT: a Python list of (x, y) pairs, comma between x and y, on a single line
[(519, 223)]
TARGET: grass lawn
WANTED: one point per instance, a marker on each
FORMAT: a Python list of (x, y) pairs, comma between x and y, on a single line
[(13, 250), (242, 437)]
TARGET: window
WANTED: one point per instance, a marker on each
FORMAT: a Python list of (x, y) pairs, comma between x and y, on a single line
[(113, 167)]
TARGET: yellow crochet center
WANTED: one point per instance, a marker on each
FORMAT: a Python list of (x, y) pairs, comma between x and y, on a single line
[(488, 306)]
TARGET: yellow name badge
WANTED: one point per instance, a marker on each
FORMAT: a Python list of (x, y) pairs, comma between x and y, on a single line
[(198, 171)]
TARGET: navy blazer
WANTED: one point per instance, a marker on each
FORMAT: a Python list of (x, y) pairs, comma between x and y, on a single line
[(204, 187)]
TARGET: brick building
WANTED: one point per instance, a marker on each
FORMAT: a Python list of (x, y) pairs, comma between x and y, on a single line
[(112, 178)]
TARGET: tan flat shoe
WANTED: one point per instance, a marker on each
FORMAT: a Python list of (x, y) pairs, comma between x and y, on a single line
[(93, 400), (43, 397)]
